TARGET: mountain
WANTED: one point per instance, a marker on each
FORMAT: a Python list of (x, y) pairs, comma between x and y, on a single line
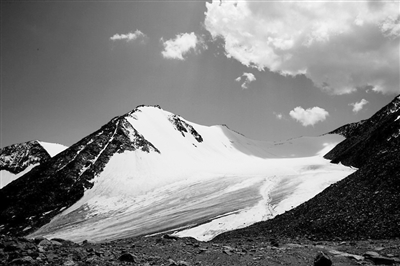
[(18, 159), (364, 205), (150, 171), (370, 138)]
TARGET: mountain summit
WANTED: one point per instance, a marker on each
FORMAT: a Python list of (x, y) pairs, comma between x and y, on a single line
[(149, 171)]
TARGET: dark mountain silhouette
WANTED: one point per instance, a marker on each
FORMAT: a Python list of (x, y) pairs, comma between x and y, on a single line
[(17, 157), (369, 139)]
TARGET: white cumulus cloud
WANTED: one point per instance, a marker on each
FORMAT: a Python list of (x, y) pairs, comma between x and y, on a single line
[(248, 78), (340, 45), (131, 36), (180, 46), (310, 116), (357, 106)]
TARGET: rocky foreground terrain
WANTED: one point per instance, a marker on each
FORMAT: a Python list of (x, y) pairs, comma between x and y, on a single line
[(355, 221), (167, 250)]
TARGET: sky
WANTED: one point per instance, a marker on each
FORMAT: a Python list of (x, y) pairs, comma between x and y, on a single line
[(270, 70)]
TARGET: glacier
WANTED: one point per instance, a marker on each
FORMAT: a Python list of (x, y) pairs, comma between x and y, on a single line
[(197, 181)]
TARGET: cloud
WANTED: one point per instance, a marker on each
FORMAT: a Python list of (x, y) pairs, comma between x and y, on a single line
[(308, 117), (129, 36), (278, 116), (357, 106), (248, 78), (340, 45), (181, 45)]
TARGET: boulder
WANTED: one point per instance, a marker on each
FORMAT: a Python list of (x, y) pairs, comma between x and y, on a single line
[(322, 260), (128, 257)]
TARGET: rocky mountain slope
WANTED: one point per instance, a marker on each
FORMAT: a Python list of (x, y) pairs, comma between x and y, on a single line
[(370, 138), (61, 180), (365, 205), (150, 171), (18, 159)]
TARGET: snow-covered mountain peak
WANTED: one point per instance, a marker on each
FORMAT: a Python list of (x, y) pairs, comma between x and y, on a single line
[(176, 137), (143, 108), (150, 170)]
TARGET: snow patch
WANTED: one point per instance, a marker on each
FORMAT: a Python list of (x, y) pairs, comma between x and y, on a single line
[(7, 177), (52, 148)]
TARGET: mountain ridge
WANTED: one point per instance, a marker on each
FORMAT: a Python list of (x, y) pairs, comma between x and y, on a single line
[(119, 169), (66, 166), (18, 159), (369, 138), (363, 205)]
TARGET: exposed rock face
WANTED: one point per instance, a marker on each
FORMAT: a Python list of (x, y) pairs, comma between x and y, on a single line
[(369, 138), (352, 129), (364, 205), (17, 157), (322, 260), (184, 127), (60, 181)]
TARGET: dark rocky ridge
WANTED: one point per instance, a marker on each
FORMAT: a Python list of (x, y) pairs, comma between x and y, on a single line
[(369, 138), (17, 157), (352, 129), (364, 205), (32, 200), (184, 127)]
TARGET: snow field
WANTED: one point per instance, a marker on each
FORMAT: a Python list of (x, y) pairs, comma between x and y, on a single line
[(223, 183), (52, 148)]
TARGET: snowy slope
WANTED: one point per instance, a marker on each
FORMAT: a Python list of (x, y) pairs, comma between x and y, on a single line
[(18, 159), (52, 148), (7, 177), (191, 175)]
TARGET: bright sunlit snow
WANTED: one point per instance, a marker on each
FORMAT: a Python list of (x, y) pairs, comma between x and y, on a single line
[(203, 188), (7, 177), (52, 148)]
